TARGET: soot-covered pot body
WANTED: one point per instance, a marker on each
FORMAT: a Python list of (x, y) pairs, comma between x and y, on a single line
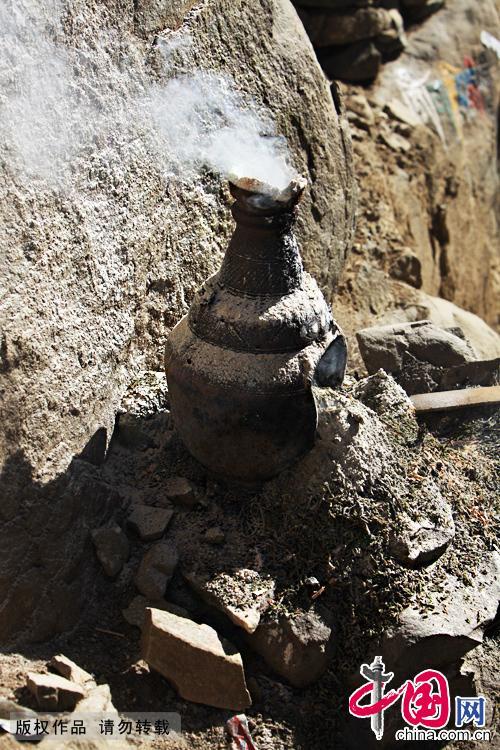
[(241, 363)]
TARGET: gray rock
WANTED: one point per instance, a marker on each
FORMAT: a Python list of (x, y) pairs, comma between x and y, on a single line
[(156, 569), (480, 666), (442, 630), (54, 693), (444, 314), (350, 441), (382, 394), (150, 523), (112, 549), (415, 354), (202, 667), (108, 261), (298, 648)]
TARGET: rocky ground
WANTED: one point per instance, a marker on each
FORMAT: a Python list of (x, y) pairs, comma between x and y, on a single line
[(384, 518)]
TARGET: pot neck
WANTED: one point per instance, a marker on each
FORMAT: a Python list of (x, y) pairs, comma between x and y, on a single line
[(263, 258)]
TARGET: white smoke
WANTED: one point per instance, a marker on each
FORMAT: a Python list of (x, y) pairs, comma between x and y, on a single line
[(52, 127), (205, 122)]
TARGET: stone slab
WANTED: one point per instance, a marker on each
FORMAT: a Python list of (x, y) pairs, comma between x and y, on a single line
[(203, 667)]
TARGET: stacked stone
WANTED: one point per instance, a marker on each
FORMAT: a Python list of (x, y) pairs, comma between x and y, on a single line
[(354, 37)]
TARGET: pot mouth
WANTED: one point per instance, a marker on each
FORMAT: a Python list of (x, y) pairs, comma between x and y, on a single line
[(256, 197)]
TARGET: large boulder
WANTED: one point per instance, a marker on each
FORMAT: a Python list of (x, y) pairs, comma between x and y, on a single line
[(415, 354), (103, 246)]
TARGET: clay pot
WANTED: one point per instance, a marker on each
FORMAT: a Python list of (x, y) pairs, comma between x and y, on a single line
[(241, 363)]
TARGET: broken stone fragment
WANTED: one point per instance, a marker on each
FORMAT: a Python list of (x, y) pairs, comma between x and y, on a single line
[(243, 595), (441, 630), (112, 549), (136, 611), (54, 693), (156, 569), (422, 540), (181, 491), (297, 647), (203, 667), (150, 523), (71, 671)]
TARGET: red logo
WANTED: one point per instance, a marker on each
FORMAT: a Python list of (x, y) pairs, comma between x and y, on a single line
[(425, 700)]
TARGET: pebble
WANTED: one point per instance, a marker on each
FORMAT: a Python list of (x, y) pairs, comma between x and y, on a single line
[(150, 523)]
